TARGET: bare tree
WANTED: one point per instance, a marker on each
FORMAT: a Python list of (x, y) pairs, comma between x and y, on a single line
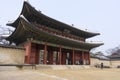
[(4, 32)]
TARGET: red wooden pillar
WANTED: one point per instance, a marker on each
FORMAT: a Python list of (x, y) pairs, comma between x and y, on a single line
[(88, 58), (37, 55), (27, 53), (45, 54), (73, 57), (64, 56), (50, 57), (32, 53), (56, 62), (83, 57), (60, 54)]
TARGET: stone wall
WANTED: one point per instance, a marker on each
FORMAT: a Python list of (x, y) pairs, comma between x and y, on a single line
[(94, 61), (10, 55), (105, 62), (114, 63)]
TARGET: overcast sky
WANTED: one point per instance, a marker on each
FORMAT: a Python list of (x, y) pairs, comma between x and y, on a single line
[(101, 16)]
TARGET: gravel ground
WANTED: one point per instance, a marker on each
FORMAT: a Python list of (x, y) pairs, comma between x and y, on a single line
[(68, 74)]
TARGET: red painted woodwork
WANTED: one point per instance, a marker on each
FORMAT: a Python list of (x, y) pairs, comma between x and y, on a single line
[(60, 52), (45, 28), (27, 54), (73, 57), (50, 57), (32, 53), (45, 54), (64, 56), (77, 56), (88, 58), (82, 57), (37, 55)]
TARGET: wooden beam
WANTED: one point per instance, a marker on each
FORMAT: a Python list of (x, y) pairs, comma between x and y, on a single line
[(57, 45)]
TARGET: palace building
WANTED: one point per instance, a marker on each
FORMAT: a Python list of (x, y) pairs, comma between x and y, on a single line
[(49, 41)]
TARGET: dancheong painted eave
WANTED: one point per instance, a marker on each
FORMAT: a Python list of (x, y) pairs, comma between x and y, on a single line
[(32, 15), (27, 30)]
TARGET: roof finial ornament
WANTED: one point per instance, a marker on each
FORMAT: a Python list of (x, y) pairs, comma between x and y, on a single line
[(72, 24)]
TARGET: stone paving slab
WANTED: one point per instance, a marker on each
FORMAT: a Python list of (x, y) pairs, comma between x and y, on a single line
[(84, 73)]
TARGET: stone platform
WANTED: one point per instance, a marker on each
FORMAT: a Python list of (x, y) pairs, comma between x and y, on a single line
[(46, 67), (59, 67)]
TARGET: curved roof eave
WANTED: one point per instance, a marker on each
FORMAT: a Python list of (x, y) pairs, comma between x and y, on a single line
[(16, 22), (87, 33), (13, 37), (88, 45), (27, 6)]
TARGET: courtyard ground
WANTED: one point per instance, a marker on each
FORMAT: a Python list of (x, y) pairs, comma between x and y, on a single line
[(60, 74)]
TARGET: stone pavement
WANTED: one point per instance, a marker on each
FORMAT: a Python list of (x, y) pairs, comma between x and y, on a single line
[(59, 73), (27, 75)]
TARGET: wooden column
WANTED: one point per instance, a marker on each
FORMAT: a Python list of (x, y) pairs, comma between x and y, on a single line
[(37, 55), (32, 53), (73, 57), (60, 52), (82, 57), (64, 55), (88, 58), (57, 58), (50, 59), (27, 53), (45, 54)]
